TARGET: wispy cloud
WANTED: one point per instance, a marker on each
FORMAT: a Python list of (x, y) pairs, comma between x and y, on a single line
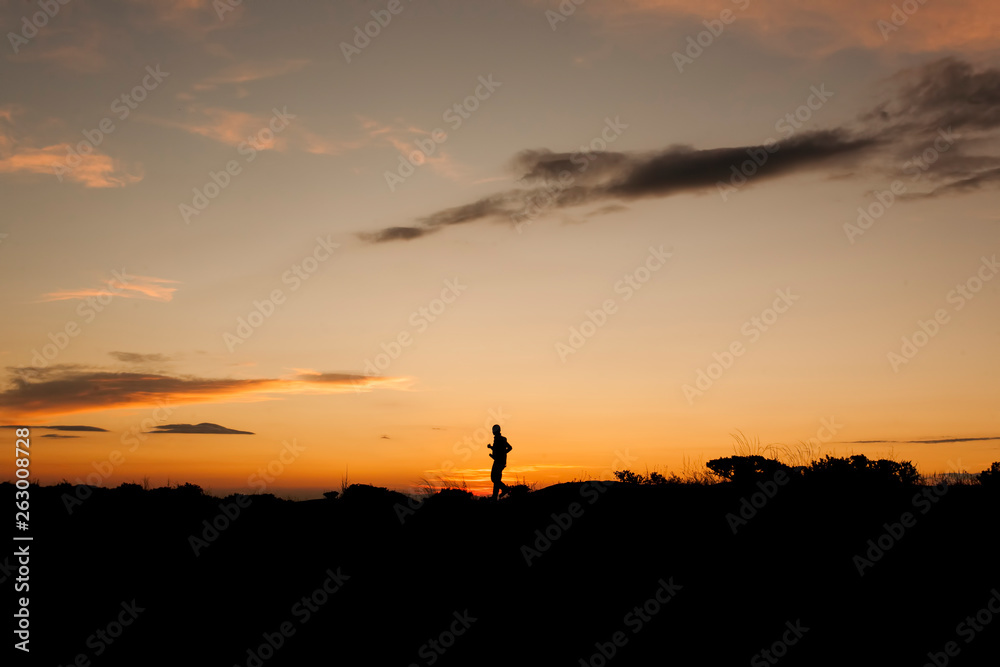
[(402, 137), (134, 287), (247, 72), (927, 442), (18, 154), (228, 126), (68, 389), (82, 50), (136, 358), (234, 127), (90, 38)]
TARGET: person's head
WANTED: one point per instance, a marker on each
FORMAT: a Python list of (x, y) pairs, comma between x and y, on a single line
[(496, 429)]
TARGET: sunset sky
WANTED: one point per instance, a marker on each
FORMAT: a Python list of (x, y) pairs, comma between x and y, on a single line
[(623, 230)]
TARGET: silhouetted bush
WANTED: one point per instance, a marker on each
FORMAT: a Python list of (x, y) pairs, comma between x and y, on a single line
[(189, 490), (746, 469), (990, 477), (860, 470), (629, 477), (366, 493), (454, 492), (652, 479), (518, 490), (656, 479)]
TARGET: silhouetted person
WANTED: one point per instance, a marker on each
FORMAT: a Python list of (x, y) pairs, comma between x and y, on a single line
[(500, 448)]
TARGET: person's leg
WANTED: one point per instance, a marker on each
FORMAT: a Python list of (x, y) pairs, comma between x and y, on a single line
[(495, 478), (504, 489)]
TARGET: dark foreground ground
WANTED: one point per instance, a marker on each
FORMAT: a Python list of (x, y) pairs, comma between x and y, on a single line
[(641, 575)]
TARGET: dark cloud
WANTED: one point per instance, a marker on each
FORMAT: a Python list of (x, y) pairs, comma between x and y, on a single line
[(684, 169), (135, 358), (60, 427), (204, 427), (63, 389), (946, 98), (395, 234), (58, 435), (607, 210)]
